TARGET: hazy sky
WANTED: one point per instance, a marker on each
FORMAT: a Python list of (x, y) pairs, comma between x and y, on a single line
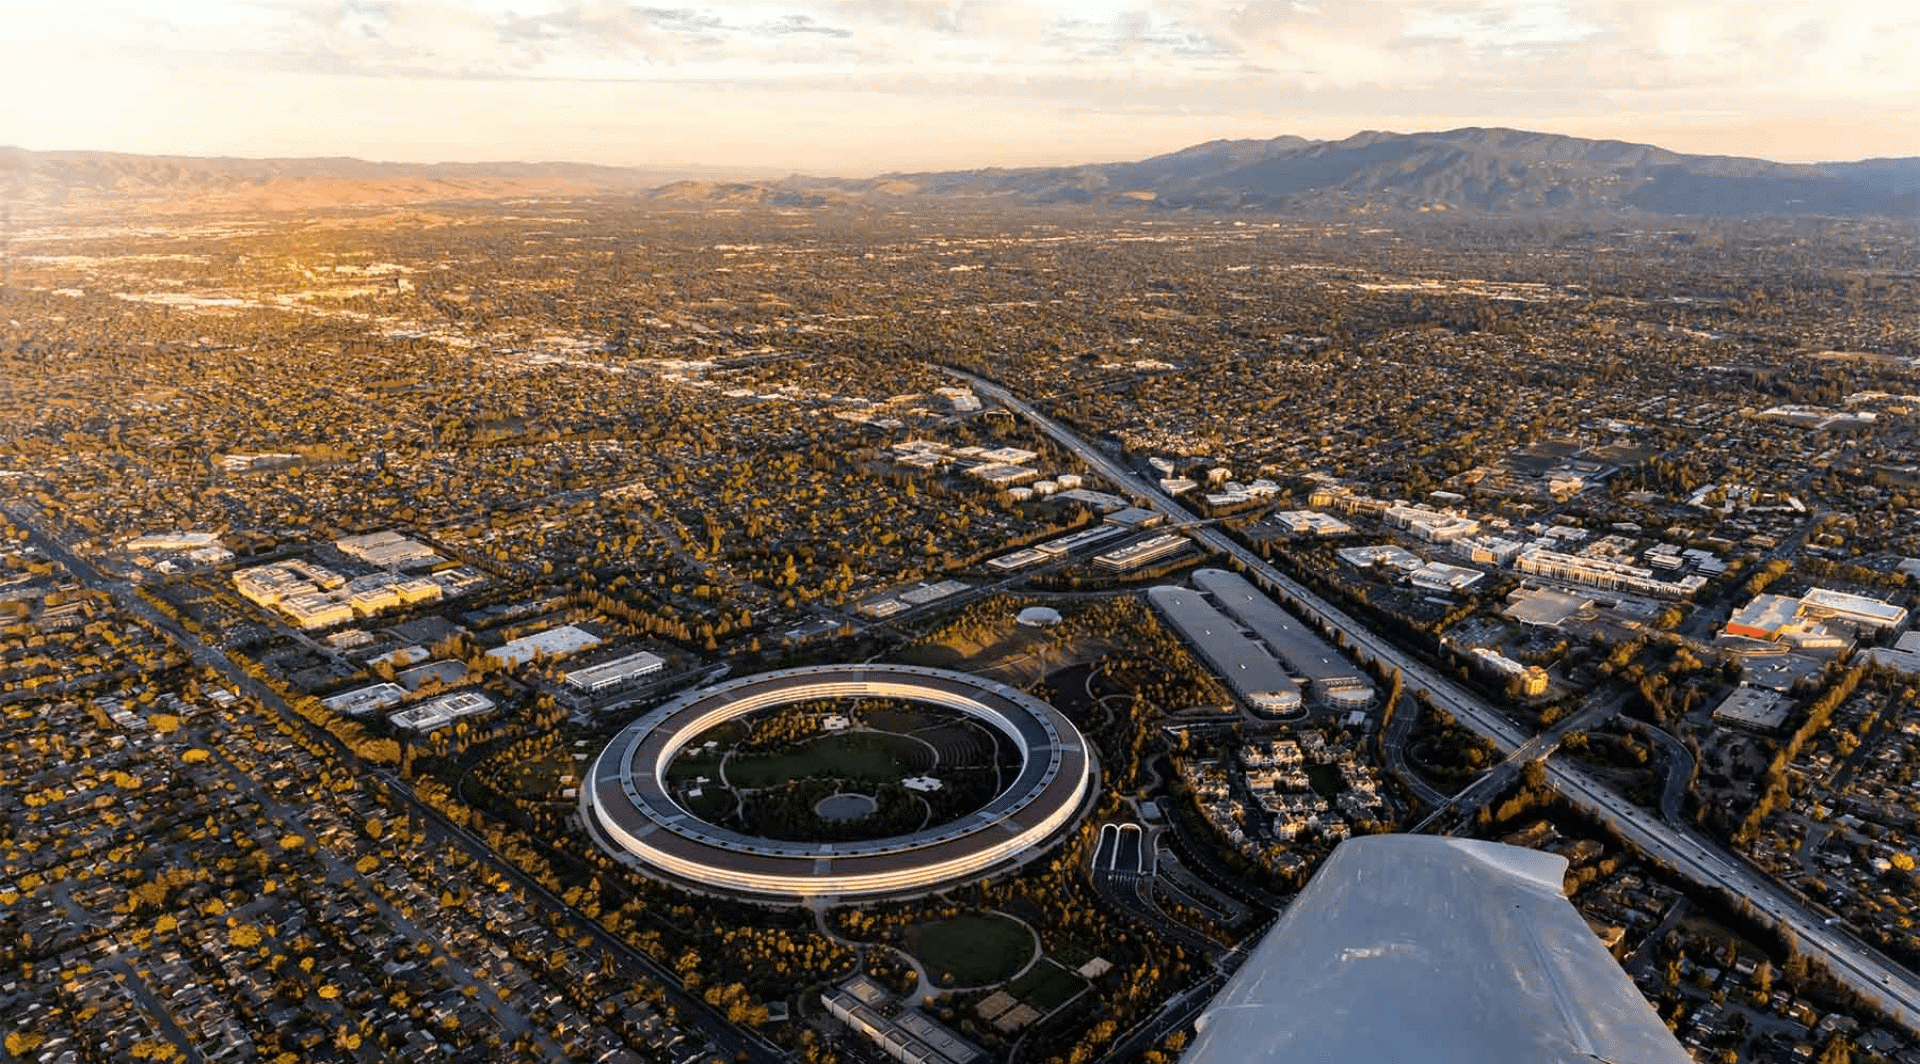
[(860, 86)]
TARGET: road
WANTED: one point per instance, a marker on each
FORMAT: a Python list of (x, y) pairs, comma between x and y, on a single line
[(1680, 764), (1179, 1011), (1850, 961), (1458, 810), (1393, 743), (729, 1038)]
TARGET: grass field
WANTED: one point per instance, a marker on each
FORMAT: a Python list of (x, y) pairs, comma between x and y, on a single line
[(712, 804), (875, 756), (1046, 986), (975, 949), (694, 765)]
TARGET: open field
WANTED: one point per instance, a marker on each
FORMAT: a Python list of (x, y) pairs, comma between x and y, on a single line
[(871, 756), (974, 950), (1046, 986)]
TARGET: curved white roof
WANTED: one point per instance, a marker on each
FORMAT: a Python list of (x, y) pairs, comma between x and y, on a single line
[(1418, 948)]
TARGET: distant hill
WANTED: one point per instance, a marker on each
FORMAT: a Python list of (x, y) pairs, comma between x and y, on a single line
[(86, 179), (1497, 171), (1479, 171)]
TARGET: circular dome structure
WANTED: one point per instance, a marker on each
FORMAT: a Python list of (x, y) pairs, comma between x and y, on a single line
[(1038, 617), (626, 803)]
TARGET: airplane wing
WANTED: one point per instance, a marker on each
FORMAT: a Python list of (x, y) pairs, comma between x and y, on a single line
[(1412, 949)]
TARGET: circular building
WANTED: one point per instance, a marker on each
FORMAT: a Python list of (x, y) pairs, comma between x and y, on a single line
[(627, 805)]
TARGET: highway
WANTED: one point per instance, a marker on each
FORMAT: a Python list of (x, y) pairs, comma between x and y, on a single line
[(1848, 959)]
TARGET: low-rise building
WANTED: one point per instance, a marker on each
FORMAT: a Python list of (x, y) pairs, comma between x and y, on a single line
[(437, 713), (1753, 707), (1601, 572), (362, 701), (389, 550), (1311, 522), (1859, 611), (554, 643), (1532, 678), (1135, 555), (608, 674)]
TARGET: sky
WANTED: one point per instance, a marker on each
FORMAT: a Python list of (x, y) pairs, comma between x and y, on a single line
[(857, 87)]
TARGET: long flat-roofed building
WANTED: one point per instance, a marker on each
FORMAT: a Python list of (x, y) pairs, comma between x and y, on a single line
[(904, 1033), (1903, 656), (364, 700), (437, 713), (1134, 555), (1601, 572), (1019, 559), (1858, 610), (1334, 678), (1080, 540), (387, 549), (316, 609), (554, 642), (1249, 670), (616, 672), (1764, 617)]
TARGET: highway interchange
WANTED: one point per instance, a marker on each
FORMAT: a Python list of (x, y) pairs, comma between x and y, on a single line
[(1850, 961)]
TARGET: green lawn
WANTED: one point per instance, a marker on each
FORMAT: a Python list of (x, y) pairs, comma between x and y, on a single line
[(712, 804), (688, 766), (975, 949), (1046, 986), (896, 719), (874, 756), (1325, 780)]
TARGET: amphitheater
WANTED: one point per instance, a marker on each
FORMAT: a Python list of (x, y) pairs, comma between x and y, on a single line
[(629, 809)]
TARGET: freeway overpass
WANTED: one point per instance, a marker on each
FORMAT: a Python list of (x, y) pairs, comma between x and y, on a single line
[(1850, 961)]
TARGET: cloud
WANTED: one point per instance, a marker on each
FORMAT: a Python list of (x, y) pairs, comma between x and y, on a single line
[(1024, 69)]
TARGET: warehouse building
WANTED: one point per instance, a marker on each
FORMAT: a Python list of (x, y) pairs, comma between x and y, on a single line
[(1249, 670), (1335, 679)]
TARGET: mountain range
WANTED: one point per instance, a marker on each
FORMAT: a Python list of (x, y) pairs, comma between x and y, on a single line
[(1479, 171)]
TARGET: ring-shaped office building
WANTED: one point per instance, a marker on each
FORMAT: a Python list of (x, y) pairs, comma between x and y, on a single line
[(627, 805)]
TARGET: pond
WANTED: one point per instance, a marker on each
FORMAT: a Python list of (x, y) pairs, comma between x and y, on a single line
[(845, 807)]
